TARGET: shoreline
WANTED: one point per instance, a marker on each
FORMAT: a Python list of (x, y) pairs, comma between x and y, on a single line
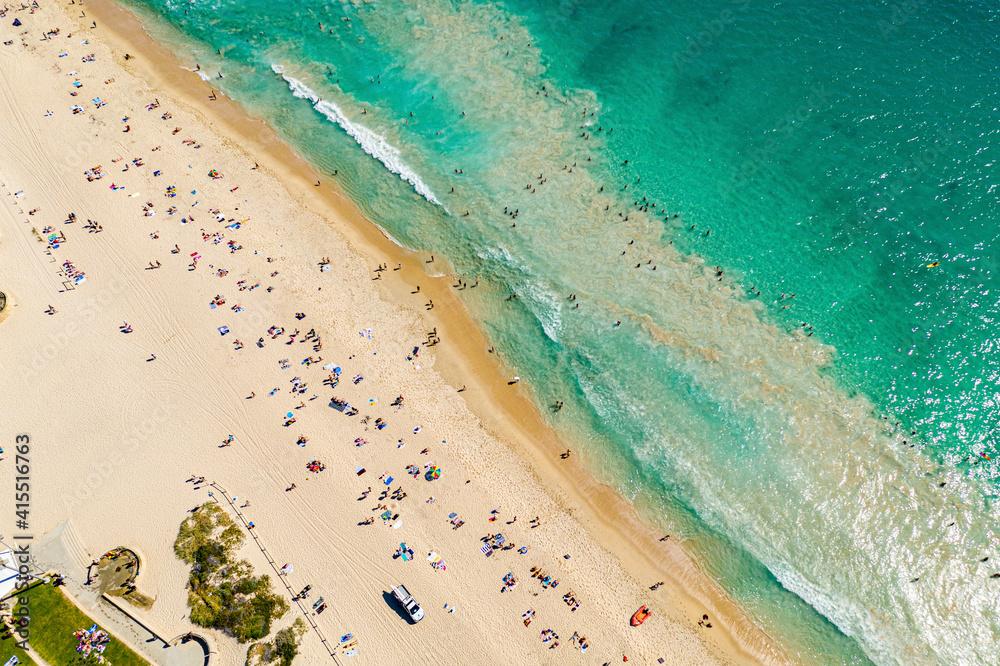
[(506, 412)]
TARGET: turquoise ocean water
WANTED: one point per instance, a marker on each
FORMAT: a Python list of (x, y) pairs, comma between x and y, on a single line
[(815, 422)]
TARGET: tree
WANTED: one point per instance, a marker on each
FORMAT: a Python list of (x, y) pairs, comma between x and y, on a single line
[(223, 592)]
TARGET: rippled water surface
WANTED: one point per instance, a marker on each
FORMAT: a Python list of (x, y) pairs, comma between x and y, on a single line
[(779, 223)]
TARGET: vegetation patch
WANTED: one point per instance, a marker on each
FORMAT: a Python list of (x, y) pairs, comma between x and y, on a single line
[(224, 593), (282, 649)]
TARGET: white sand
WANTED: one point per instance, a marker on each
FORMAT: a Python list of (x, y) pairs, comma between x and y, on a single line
[(115, 435)]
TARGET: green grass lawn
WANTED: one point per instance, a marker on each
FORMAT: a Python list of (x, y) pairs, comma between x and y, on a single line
[(54, 618), (8, 649)]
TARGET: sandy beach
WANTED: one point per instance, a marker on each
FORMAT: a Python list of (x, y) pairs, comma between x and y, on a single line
[(142, 332)]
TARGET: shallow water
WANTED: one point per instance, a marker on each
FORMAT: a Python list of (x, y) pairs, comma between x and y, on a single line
[(832, 152)]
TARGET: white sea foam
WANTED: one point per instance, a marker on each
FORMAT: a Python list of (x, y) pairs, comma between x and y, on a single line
[(534, 292), (204, 77), (546, 305), (370, 141)]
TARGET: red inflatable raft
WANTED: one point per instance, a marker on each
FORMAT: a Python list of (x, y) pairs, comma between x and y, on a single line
[(640, 616)]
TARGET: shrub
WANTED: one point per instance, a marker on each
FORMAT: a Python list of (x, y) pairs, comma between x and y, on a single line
[(282, 649), (224, 593), (207, 526)]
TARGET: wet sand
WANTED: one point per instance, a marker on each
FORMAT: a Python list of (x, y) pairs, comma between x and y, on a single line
[(514, 461)]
